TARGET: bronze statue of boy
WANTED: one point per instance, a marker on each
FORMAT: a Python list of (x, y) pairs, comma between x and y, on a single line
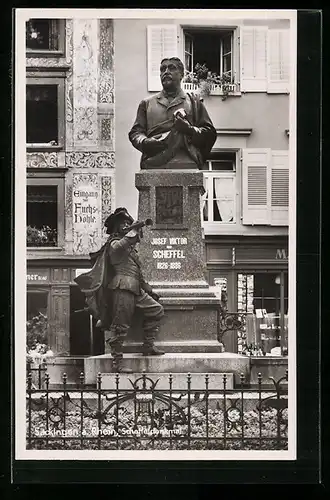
[(115, 288)]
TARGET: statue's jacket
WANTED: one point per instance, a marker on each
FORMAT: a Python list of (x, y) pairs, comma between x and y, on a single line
[(115, 266), (155, 118)]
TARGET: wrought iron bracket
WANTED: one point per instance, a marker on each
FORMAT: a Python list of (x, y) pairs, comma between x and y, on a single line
[(230, 322)]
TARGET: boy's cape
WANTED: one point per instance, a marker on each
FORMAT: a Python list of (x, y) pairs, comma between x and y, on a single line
[(94, 283)]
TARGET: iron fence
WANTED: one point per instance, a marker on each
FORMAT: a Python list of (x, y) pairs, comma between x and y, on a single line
[(142, 416)]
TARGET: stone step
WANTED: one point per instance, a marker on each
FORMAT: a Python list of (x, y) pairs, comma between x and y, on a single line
[(171, 363), (161, 381), (177, 346)]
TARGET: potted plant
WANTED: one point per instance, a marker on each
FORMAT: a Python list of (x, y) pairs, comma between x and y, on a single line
[(45, 236), (207, 82)]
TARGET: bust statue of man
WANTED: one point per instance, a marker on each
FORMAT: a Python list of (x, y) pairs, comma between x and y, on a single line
[(172, 129)]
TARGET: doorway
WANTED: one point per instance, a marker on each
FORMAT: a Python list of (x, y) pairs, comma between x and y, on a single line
[(85, 338)]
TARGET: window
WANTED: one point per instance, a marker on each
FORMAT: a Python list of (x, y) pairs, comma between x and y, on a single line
[(214, 49), (37, 303), (220, 188), (37, 314), (264, 297), (45, 217), (45, 36), (41, 114), (45, 112), (242, 58)]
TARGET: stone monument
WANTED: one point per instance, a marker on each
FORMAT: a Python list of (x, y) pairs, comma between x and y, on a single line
[(174, 133)]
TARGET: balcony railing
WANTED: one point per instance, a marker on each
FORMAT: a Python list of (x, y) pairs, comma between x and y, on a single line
[(216, 89)]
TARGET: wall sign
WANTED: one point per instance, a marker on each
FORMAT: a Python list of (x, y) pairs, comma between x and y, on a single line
[(86, 212), (37, 276), (281, 254)]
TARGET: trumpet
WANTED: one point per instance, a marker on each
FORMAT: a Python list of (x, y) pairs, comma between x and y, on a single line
[(138, 225)]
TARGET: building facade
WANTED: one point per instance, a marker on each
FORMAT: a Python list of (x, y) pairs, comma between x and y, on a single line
[(85, 79)]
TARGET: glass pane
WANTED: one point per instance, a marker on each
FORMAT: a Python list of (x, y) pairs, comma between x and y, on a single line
[(259, 295), (222, 165), (42, 114), (188, 44), (227, 44), (41, 216), (220, 290), (37, 303), (226, 68), (42, 34), (188, 62), (229, 156), (205, 211), (37, 318), (223, 193)]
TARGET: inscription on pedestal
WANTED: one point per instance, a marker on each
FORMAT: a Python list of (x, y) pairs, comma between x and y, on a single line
[(166, 257), (169, 205)]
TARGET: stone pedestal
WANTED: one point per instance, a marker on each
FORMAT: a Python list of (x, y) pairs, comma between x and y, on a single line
[(172, 254)]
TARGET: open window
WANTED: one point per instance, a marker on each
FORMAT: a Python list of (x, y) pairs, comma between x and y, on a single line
[(212, 48)]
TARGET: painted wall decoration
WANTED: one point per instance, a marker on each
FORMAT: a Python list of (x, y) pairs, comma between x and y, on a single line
[(46, 62), (106, 62), (85, 70), (86, 207), (106, 198), (106, 129), (88, 160), (69, 83), (89, 131), (41, 160)]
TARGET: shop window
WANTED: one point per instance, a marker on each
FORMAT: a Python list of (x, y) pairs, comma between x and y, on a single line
[(45, 36), (218, 202), (45, 112), (37, 303), (37, 317), (45, 218), (264, 297)]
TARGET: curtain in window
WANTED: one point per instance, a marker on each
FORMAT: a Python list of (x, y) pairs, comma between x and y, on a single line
[(204, 214), (223, 190)]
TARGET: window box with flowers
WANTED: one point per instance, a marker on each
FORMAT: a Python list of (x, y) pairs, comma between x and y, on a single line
[(204, 82), (43, 237)]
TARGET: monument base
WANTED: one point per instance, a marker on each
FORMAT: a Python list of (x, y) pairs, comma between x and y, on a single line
[(183, 363)]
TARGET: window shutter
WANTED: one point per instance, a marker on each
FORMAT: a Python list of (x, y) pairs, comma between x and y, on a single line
[(278, 61), (256, 186), (162, 42), (280, 188), (254, 59)]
